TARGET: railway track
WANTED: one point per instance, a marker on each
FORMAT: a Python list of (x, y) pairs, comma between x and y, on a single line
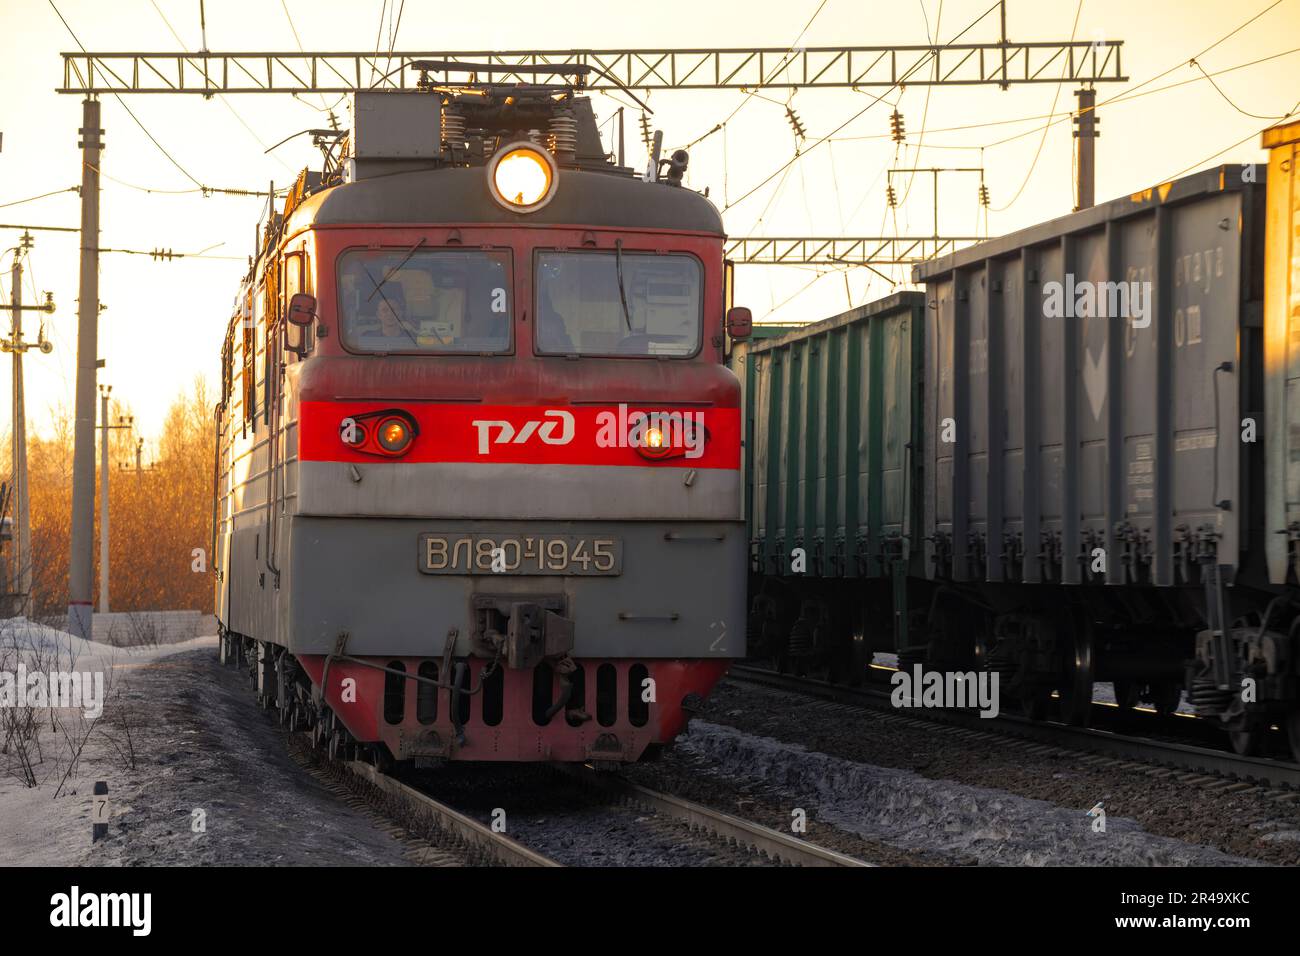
[(446, 835), (777, 847), (1196, 765)]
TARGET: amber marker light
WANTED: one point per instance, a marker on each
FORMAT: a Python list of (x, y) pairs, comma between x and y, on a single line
[(522, 177), (394, 436), (653, 447)]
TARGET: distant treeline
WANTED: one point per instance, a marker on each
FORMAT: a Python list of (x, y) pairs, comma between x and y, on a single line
[(158, 515)]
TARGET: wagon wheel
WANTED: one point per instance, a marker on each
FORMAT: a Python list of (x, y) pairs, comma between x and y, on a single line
[(1292, 722), (1166, 696), (1127, 693), (1077, 678), (849, 662), (1247, 737), (1033, 702)]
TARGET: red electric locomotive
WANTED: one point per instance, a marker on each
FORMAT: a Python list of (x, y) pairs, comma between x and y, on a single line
[(478, 479)]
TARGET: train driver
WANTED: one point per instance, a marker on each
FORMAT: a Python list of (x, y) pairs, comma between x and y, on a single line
[(391, 330)]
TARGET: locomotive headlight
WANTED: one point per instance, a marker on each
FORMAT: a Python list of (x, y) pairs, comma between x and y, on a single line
[(522, 177), (654, 438), (394, 436)]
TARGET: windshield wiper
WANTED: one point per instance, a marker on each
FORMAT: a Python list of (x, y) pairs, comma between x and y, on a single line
[(388, 274), (393, 271), (622, 294)]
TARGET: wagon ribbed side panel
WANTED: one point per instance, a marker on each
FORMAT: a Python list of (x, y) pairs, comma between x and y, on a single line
[(1085, 390), (836, 425)]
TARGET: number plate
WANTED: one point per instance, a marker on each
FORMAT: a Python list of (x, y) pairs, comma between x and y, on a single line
[(568, 554)]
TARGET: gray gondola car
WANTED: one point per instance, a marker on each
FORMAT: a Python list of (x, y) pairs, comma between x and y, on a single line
[(1094, 461)]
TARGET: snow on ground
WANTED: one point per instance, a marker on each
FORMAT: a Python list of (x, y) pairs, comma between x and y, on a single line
[(178, 734), (907, 810)]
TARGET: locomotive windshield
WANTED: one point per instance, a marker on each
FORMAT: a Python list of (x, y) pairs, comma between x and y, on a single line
[(417, 300), (625, 304)]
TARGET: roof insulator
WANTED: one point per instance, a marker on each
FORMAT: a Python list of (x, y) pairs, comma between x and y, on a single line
[(896, 131)]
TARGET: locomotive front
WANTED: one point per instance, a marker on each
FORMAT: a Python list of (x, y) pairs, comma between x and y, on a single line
[(500, 510)]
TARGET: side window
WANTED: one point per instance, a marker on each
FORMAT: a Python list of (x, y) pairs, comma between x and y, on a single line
[(227, 363), (247, 351), (260, 327), (271, 338), (296, 337)]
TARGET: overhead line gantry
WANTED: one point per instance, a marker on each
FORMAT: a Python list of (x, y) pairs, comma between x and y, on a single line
[(1002, 63)]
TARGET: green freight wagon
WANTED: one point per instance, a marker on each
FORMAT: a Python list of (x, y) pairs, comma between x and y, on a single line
[(833, 441), (739, 363)]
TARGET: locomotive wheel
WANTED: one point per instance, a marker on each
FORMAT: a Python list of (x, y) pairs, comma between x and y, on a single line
[(379, 758), (1166, 696), (1076, 685), (1127, 693)]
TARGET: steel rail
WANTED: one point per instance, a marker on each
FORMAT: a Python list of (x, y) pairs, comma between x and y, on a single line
[(1262, 771), (776, 846), (496, 846)]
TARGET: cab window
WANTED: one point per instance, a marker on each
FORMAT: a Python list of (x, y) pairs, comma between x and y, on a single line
[(425, 301), (618, 304)]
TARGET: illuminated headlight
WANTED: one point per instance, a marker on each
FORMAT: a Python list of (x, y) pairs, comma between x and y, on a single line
[(522, 177), (394, 436)]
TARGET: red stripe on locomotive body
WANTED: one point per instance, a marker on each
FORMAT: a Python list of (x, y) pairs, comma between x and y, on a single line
[(515, 737), (528, 434)]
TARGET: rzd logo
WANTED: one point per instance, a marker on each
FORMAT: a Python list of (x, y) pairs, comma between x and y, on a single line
[(545, 430)]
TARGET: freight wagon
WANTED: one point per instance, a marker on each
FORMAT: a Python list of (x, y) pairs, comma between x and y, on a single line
[(833, 419), (1089, 497), (1074, 458)]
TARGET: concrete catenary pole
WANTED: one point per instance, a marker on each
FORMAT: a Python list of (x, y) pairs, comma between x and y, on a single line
[(81, 556), (1085, 137)]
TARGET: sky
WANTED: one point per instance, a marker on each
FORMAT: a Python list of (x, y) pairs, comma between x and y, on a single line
[(163, 321)]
